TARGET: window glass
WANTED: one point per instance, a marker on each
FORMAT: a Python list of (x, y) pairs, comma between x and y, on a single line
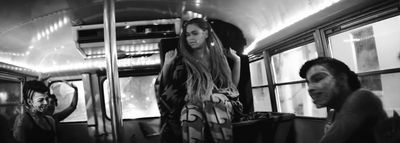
[(8, 115), (137, 96), (64, 94), (286, 65), (368, 48), (10, 92), (10, 99), (262, 100), (294, 98), (258, 74), (386, 86)]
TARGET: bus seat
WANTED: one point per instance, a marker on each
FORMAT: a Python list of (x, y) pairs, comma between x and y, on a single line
[(276, 128), (141, 130), (308, 130), (73, 132), (284, 128), (149, 129)]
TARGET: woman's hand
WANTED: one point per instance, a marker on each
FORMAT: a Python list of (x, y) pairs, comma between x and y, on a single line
[(72, 86), (169, 56), (44, 76), (232, 54)]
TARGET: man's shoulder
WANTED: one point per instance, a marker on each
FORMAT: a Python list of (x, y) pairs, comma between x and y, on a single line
[(23, 120), (364, 100), (24, 117), (364, 95)]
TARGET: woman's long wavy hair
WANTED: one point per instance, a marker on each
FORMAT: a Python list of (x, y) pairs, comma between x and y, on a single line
[(201, 81)]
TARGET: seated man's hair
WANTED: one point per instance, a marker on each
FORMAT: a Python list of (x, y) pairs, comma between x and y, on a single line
[(335, 66)]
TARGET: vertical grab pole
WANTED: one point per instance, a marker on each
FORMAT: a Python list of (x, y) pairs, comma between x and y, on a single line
[(112, 69)]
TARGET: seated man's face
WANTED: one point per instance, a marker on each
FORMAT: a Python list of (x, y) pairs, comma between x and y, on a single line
[(322, 85), (39, 102)]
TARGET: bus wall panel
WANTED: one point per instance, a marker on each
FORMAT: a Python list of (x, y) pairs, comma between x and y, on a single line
[(145, 130), (308, 130), (73, 133)]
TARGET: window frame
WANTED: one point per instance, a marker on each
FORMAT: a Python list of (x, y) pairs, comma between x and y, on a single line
[(13, 78), (5, 76), (376, 13), (123, 74), (371, 15), (295, 42), (70, 79), (280, 47), (355, 20), (257, 58), (320, 36)]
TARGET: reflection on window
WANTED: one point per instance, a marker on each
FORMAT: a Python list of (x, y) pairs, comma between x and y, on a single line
[(262, 100), (10, 95), (137, 97), (294, 98), (365, 49), (258, 74), (10, 92), (64, 95), (286, 65), (386, 86), (8, 115), (373, 83), (371, 47)]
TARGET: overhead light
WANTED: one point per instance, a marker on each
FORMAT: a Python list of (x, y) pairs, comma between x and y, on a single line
[(101, 64), (191, 14), (65, 20), (51, 28)]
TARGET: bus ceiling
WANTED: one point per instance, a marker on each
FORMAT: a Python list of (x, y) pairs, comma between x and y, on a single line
[(43, 35)]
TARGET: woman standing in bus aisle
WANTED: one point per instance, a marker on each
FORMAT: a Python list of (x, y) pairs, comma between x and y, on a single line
[(52, 101), (33, 125), (197, 91)]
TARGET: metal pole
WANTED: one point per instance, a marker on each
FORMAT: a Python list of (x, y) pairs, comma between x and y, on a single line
[(112, 69)]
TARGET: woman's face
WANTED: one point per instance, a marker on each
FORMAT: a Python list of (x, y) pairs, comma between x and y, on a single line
[(39, 102), (195, 36)]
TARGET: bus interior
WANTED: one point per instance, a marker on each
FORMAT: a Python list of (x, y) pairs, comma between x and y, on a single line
[(68, 40)]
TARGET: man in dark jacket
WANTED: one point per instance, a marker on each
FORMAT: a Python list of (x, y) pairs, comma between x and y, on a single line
[(353, 111)]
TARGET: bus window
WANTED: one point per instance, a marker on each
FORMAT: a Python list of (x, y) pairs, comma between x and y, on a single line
[(64, 94), (259, 83), (137, 96), (286, 65), (10, 102), (10, 92), (294, 98), (373, 52), (291, 90)]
